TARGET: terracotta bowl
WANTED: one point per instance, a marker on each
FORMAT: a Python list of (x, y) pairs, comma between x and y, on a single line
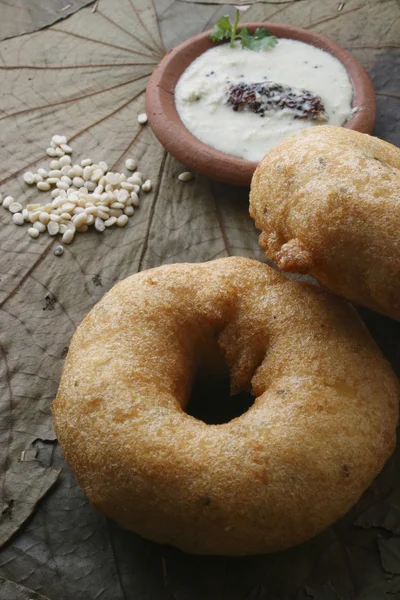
[(203, 159)]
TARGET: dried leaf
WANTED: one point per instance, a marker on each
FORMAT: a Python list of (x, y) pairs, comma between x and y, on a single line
[(25, 16), (242, 4), (323, 592), (24, 479), (12, 591), (387, 589), (385, 514), (85, 77), (83, 83), (390, 554)]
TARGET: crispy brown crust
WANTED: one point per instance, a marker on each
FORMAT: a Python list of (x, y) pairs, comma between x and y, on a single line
[(293, 257), (327, 201), (321, 429)]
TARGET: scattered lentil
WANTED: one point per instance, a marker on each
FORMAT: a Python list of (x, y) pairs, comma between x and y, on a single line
[(146, 187), (99, 224), (122, 220), (15, 207), (59, 250), (53, 228), (142, 118), (135, 199), (110, 221), (112, 178), (126, 185), (67, 149), (33, 216), (43, 186), (135, 180), (68, 236), (8, 200), (96, 175), (44, 217), (78, 182), (185, 176), (39, 226), (85, 194), (130, 164), (29, 178), (18, 219), (87, 172), (33, 232), (129, 211), (59, 139), (79, 219), (62, 185)]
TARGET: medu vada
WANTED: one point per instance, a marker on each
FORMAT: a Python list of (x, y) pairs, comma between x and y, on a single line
[(321, 428), (327, 201)]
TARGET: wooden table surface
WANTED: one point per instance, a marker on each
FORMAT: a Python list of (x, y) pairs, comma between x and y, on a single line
[(84, 76)]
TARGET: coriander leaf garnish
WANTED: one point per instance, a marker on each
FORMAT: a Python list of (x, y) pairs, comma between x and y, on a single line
[(222, 30), (261, 39)]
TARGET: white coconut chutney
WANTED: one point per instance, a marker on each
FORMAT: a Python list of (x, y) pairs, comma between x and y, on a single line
[(201, 95)]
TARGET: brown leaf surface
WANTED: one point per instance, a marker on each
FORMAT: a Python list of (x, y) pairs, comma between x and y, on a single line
[(25, 16), (243, 4), (85, 77), (12, 591)]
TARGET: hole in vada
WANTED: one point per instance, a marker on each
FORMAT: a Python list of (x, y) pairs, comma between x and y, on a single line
[(211, 403)]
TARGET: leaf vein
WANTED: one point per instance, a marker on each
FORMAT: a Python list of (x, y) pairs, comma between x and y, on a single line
[(103, 43)]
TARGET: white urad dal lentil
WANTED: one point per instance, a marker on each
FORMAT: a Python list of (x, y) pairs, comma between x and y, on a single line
[(86, 194), (185, 176), (142, 119), (8, 200), (200, 94)]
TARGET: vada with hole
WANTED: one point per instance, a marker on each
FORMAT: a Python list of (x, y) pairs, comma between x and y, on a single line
[(320, 430)]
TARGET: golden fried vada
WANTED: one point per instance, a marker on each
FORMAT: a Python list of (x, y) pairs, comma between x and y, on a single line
[(321, 428), (327, 201)]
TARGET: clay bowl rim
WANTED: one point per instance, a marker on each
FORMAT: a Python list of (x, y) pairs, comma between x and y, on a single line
[(214, 164)]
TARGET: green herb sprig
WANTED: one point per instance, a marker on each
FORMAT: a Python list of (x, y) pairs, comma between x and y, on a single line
[(261, 39)]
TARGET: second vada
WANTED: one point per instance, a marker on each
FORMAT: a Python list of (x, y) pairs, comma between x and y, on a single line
[(327, 202)]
